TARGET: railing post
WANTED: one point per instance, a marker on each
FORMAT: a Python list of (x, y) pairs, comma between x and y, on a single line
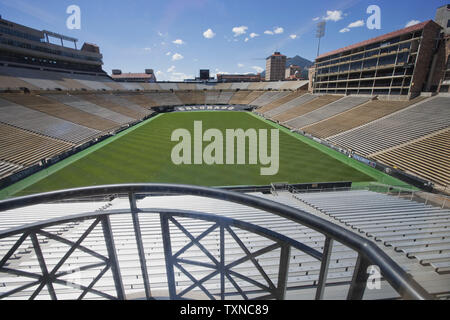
[(283, 271), (324, 268), (359, 280), (139, 243), (165, 230), (113, 261)]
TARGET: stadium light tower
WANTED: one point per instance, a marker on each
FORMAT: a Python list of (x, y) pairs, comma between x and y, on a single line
[(320, 33)]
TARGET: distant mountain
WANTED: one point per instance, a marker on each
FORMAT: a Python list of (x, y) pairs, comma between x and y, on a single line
[(299, 61)]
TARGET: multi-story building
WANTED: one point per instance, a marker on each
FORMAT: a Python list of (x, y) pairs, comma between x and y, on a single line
[(397, 63), (440, 77), (276, 67), (147, 76), (293, 72), (24, 46)]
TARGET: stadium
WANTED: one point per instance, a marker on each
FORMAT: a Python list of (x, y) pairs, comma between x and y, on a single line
[(92, 205)]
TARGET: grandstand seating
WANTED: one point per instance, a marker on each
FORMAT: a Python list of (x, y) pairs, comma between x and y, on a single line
[(102, 101), (140, 111), (25, 148), (411, 123), (269, 97), (239, 85), (7, 169), (289, 105), (191, 97), (187, 86), (305, 108), (382, 222), (224, 97), (357, 116), (420, 231), (276, 103), (239, 97), (428, 157), (139, 99), (42, 123), (164, 99), (88, 107), (168, 86), (62, 111), (327, 111), (295, 85)]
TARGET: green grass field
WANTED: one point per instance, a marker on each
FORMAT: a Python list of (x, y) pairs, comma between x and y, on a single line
[(143, 155)]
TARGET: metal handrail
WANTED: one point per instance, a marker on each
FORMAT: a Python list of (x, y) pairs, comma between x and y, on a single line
[(368, 253)]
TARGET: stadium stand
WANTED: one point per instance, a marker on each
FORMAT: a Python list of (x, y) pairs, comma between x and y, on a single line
[(131, 86), (223, 86), (239, 97), (279, 102), (357, 116), (150, 86), (187, 86), (25, 148), (269, 97), (191, 97), (294, 85), (224, 97), (289, 105), (7, 169), (168, 86), (305, 108), (252, 97), (303, 269), (8, 82), (42, 123), (88, 107), (102, 101), (420, 231), (327, 111), (140, 111), (211, 97), (408, 124), (62, 111), (240, 85), (164, 99), (427, 157), (138, 98)]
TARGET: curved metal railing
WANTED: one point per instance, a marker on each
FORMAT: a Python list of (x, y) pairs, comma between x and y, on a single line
[(368, 253)]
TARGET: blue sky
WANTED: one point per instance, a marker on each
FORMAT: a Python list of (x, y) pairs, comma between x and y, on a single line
[(226, 36)]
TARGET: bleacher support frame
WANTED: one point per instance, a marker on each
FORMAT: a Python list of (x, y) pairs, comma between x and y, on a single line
[(368, 253)]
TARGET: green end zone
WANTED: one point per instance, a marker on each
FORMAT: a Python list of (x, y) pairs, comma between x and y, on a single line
[(142, 154)]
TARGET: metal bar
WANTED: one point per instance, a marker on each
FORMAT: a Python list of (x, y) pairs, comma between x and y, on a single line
[(46, 280), (13, 249), (222, 263), (113, 261), (283, 272), (139, 243), (359, 280), (165, 230), (324, 266), (93, 282)]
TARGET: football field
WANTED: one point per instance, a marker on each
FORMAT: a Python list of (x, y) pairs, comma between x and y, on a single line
[(142, 154)]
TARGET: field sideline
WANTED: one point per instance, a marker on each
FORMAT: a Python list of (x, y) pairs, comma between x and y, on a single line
[(143, 155)]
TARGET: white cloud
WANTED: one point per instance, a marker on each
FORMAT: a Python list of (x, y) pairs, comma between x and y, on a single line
[(411, 23), (254, 35), (179, 76), (178, 42), (344, 30), (238, 31), (258, 69), (246, 39), (160, 34), (241, 65), (333, 15), (168, 53), (278, 30), (148, 49), (268, 32), (293, 36), (177, 56), (209, 34), (356, 24), (316, 19), (171, 69)]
